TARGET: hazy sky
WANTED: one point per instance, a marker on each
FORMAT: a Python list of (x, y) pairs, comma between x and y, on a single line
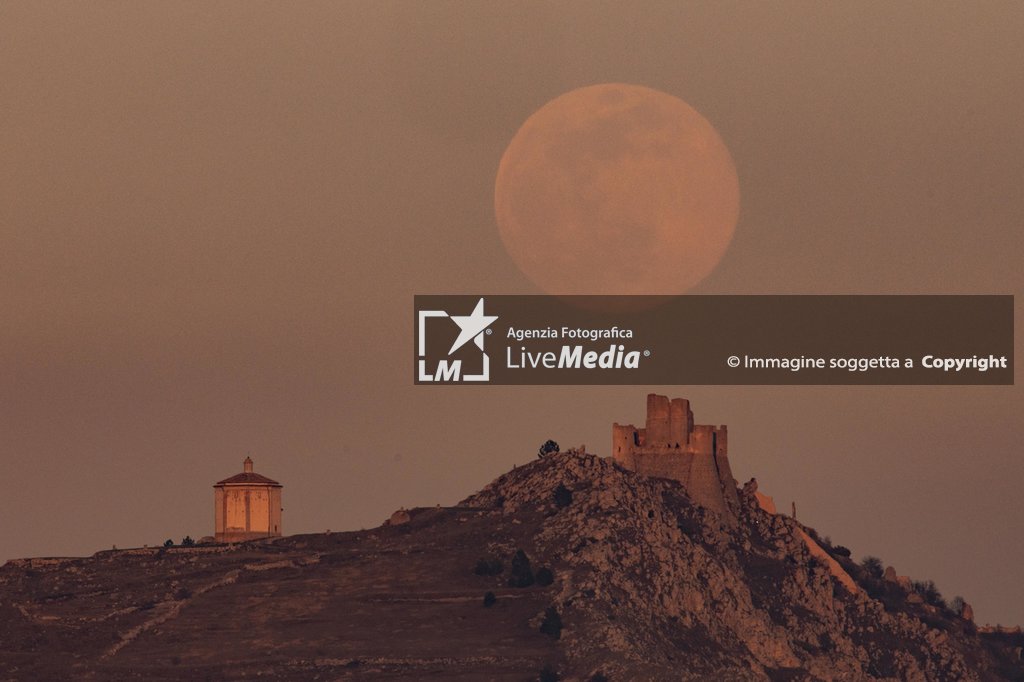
[(214, 217)]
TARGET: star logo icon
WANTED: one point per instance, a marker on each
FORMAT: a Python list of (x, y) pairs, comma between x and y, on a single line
[(449, 369), (472, 326)]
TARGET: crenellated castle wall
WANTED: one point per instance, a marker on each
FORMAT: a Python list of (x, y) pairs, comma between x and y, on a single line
[(672, 446)]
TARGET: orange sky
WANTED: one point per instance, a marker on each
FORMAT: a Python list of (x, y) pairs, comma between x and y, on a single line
[(213, 218)]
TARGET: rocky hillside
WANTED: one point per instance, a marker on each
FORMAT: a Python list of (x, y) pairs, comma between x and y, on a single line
[(654, 587), (568, 568)]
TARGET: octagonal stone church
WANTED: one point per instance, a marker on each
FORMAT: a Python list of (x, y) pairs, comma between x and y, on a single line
[(247, 506)]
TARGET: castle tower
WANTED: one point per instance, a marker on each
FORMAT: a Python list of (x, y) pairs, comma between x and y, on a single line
[(246, 506), (671, 446)]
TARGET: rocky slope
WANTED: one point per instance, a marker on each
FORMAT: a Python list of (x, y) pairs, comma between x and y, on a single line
[(653, 587), (568, 568)]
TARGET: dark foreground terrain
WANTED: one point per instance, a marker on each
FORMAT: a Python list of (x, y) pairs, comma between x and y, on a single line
[(569, 568)]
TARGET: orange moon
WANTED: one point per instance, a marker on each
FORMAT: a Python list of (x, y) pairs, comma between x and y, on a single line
[(616, 189)]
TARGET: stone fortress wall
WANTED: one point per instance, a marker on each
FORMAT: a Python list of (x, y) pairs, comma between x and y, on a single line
[(672, 446)]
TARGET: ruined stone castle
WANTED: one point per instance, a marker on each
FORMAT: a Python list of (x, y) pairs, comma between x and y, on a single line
[(672, 446)]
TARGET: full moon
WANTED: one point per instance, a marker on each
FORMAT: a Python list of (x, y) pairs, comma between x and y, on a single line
[(616, 189)]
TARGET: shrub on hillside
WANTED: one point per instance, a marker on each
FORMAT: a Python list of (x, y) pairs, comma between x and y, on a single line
[(563, 496), (545, 577), (929, 592), (487, 566), (552, 623), (873, 566), (550, 447), (521, 573)]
